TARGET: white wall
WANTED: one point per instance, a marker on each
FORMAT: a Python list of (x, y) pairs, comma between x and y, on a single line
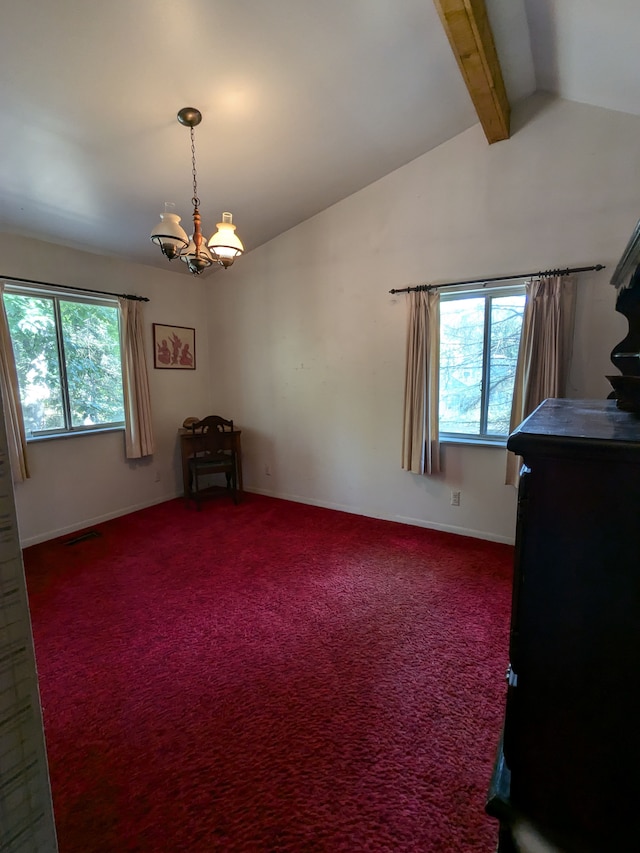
[(80, 480), (315, 344), (301, 343)]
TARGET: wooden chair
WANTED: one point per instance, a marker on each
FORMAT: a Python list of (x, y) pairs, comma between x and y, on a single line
[(213, 453)]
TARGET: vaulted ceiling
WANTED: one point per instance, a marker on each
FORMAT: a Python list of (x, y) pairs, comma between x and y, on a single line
[(303, 102)]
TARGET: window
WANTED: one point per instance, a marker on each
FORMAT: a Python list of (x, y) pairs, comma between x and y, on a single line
[(479, 341), (67, 353)]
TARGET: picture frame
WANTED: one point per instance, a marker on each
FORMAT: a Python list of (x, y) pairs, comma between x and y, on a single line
[(174, 347)]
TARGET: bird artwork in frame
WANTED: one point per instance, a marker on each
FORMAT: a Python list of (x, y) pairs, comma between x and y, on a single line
[(174, 347)]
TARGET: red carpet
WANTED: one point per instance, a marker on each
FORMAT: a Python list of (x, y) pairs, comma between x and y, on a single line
[(270, 677)]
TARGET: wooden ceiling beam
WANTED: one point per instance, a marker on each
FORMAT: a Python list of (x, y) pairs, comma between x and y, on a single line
[(467, 26)]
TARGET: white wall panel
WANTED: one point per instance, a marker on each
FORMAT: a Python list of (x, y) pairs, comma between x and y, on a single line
[(317, 343)]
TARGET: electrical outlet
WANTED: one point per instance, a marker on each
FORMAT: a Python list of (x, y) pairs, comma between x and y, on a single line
[(158, 477), (455, 498), (267, 469)]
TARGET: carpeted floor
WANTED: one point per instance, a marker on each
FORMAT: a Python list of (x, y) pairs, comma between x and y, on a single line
[(270, 677)]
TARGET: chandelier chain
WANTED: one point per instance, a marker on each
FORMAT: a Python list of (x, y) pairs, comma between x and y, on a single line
[(195, 200)]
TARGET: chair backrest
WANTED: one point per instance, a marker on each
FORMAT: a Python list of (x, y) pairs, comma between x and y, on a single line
[(210, 435), (213, 422)]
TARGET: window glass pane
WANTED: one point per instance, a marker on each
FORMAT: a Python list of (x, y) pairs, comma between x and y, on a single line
[(33, 334), (506, 326), (461, 348), (92, 354)]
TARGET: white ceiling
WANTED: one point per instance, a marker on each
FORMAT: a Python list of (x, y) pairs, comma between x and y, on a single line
[(303, 103)]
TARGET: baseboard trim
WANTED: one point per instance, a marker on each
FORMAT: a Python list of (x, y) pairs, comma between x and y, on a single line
[(401, 519), (89, 522)]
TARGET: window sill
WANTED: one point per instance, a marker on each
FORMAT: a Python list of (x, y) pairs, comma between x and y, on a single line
[(34, 439), (469, 440)]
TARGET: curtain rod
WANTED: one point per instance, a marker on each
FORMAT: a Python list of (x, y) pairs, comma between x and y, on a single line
[(483, 281), (76, 289)]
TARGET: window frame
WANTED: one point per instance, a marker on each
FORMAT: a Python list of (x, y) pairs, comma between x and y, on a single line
[(69, 295), (488, 293)]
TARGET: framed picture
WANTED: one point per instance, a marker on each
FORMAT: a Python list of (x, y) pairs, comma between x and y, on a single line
[(174, 347)]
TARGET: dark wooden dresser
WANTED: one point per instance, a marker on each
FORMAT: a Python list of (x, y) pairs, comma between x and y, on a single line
[(569, 761)]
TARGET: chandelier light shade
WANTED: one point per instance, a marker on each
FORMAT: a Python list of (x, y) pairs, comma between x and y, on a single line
[(223, 247), (169, 234)]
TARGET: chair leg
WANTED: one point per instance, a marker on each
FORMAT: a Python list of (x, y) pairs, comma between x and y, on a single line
[(195, 489), (194, 486), (198, 498)]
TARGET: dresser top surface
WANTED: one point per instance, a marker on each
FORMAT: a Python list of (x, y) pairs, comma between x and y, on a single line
[(560, 425)]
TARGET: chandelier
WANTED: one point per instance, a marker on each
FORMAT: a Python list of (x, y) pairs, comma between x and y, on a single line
[(222, 249)]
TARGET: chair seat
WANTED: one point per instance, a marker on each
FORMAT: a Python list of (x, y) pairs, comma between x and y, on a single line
[(211, 460)]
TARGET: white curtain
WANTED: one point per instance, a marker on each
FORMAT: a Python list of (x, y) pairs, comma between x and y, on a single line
[(420, 440), (545, 352), (16, 437), (135, 381)]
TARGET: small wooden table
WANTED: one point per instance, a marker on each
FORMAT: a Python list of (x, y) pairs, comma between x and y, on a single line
[(186, 449)]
